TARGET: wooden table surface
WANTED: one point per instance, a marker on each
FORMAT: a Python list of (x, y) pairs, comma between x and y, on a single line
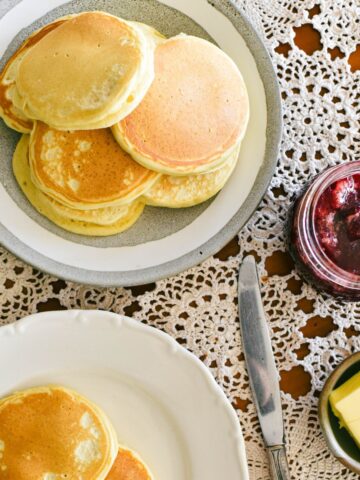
[(297, 381)]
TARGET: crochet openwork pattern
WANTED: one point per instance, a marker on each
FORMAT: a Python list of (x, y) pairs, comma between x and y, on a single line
[(311, 333)]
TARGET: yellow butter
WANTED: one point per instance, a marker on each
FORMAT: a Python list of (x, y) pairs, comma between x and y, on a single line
[(345, 403)]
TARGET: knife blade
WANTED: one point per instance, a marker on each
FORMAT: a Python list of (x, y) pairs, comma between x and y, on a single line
[(260, 362)]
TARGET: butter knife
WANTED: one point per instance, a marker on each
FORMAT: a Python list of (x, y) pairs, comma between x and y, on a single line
[(263, 375)]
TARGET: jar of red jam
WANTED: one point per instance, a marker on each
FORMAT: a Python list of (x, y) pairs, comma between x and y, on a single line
[(325, 231)]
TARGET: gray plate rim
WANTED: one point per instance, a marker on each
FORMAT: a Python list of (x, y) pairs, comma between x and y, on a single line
[(218, 241)]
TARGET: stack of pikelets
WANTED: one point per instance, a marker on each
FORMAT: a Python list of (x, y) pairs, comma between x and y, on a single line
[(116, 116), (52, 433)]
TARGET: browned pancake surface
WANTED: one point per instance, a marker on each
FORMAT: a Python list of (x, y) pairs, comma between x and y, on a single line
[(128, 467), (85, 167), (77, 72), (48, 432), (5, 103), (196, 109)]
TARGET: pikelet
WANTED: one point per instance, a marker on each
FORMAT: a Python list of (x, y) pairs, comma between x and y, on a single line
[(11, 115), (128, 466), (186, 191), (195, 113), (88, 73), (178, 109), (85, 169), (96, 222), (51, 432)]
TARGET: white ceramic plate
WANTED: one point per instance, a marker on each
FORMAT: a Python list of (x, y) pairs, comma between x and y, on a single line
[(162, 400), (164, 241)]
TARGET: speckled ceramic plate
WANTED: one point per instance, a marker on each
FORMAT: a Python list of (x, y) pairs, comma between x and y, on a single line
[(162, 401), (164, 241)]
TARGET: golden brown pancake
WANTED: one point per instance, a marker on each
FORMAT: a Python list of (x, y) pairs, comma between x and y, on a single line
[(179, 192), (85, 169), (96, 222), (128, 466), (92, 70), (12, 116), (53, 433), (194, 114)]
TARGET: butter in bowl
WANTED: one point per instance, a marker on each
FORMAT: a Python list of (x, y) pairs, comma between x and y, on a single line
[(339, 412)]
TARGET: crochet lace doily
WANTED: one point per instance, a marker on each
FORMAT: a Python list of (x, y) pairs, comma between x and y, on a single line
[(321, 127)]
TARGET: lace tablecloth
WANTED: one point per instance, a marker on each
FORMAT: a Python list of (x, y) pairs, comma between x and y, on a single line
[(310, 333)]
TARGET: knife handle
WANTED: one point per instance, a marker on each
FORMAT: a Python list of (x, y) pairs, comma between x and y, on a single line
[(279, 467)]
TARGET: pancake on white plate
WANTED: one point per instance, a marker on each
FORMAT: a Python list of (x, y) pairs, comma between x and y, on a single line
[(186, 191), (195, 113), (85, 169), (129, 466), (89, 72), (95, 222), (51, 433), (13, 116)]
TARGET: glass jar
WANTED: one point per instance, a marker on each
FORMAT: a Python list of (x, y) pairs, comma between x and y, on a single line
[(322, 225)]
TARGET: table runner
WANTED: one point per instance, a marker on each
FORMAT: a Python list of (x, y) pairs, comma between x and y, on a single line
[(311, 45)]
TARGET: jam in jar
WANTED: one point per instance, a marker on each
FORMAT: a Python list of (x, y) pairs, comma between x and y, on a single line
[(325, 231)]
